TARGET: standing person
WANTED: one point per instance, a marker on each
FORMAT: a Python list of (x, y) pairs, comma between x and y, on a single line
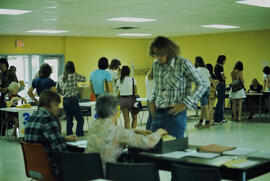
[(114, 70), (173, 76), (150, 87), (237, 96), (42, 127), (212, 95), (42, 82), (219, 72), (6, 77), (199, 64), (127, 87), (101, 77), (266, 79), (67, 87)]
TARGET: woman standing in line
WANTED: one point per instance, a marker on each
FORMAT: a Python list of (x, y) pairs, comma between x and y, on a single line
[(127, 87), (266, 79), (237, 96), (212, 95), (67, 87)]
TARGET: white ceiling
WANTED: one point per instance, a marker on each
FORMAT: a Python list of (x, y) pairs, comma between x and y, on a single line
[(88, 17)]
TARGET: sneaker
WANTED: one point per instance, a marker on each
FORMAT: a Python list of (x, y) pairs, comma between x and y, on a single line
[(199, 125), (224, 121)]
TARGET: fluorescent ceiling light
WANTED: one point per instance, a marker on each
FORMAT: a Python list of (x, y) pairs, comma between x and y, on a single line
[(260, 3), (47, 31), (13, 11), (220, 26), (130, 19), (134, 34)]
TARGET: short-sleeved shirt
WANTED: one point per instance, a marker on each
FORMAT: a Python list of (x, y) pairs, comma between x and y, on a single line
[(97, 78), (149, 87), (218, 71), (126, 87), (42, 84), (8, 97), (205, 75), (114, 76)]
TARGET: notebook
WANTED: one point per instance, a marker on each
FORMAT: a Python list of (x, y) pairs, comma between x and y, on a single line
[(214, 148)]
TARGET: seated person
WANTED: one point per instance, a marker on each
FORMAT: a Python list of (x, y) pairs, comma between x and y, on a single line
[(42, 127), (255, 86), (11, 100), (108, 139)]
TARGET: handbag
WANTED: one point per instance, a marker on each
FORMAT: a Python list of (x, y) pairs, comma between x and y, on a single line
[(137, 105), (237, 86)]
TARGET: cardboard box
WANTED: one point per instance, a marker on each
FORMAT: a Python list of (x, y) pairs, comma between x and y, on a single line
[(165, 146)]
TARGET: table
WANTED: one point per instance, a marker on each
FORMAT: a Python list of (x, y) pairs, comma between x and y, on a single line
[(243, 174), (23, 113)]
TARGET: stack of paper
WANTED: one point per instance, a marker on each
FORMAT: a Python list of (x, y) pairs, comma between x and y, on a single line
[(239, 151), (260, 154), (180, 154), (239, 163), (215, 148)]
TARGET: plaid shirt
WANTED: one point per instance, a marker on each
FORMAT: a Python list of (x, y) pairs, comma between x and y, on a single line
[(173, 83), (42, 128), (69, 87)]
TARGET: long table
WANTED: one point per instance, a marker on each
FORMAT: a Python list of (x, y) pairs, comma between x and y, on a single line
[(243, 174)]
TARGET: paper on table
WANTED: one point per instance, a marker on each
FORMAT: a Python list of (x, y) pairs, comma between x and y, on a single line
[(175, 154), (80, 144), (245, 164), (260, 154), (239, 151), (203, 155)]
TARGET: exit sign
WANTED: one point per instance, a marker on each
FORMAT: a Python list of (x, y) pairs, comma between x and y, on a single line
[(19, 43)]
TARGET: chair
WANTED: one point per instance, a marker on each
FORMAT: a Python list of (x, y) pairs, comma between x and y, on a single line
[(80, 166), (36, 162), (190, 173), (132, 172)]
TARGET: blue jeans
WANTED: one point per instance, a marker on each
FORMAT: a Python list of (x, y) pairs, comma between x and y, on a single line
[(218, 116), (150, 119), (174, 125), (72, 108)]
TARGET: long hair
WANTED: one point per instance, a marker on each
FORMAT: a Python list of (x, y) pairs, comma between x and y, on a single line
[(125, 71), (239, 66), (69, 69), (211, 69), (199, 62), (165, 46)]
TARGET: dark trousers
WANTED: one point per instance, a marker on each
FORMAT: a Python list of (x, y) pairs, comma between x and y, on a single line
[(218, 116), (149, 120), (72, 108)]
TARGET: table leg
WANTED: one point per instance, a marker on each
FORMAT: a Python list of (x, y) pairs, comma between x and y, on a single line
[(260, 107), (244, 176)]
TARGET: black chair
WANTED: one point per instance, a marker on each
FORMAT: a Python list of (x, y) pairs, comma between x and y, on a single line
[(80, 166), (190, 173), (132, 172)]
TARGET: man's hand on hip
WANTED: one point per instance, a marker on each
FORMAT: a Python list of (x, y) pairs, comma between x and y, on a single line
[(177, 109)]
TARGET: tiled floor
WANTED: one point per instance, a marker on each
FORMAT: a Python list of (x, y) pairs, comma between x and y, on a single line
[(249, 134)]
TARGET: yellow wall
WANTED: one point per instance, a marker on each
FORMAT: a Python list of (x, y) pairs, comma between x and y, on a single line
[(249, 47)]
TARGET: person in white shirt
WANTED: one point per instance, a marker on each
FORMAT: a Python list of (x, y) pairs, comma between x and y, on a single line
[(114, 70), (150, 86), (127, 87), (266, 79), (199, 64)]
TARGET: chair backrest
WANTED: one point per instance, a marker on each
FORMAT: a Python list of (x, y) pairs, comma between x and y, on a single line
[(132, 172), (190, 173), (36, 162), (80, 166)]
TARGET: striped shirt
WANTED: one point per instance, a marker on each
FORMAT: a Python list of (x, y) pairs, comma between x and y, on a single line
[(42, 128), (173, 84), (69, 88)]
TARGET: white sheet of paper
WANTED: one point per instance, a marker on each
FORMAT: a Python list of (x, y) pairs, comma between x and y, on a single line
[(204, 155), (245, 164), (175, 154), (260, 154), (239, 151), (80, 144)]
